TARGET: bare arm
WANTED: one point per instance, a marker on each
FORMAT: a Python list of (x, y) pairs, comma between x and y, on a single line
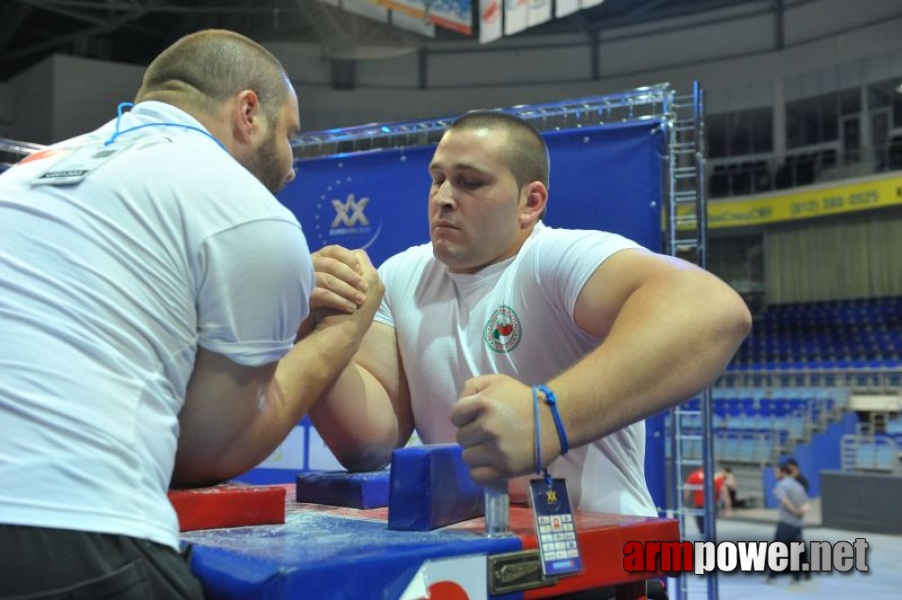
[(669, 329), (367, 414), (235, 416)]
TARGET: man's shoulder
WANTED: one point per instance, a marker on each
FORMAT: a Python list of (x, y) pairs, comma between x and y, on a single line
[(790, 483), (550, 232), (546, 234), (415, 256), (561, 239)]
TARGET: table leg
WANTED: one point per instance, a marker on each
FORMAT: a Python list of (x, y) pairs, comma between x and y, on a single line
[(631, 591)]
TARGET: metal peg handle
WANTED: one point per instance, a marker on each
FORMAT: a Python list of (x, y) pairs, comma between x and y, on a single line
[(497, 509)]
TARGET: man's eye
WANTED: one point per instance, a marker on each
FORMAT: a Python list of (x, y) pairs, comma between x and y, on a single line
[(469, 183)]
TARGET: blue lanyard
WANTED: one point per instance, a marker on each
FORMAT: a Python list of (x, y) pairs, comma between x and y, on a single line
[(123, 105)]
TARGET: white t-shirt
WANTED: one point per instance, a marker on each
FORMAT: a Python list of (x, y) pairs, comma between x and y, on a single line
[(107, 288), (514, 318)]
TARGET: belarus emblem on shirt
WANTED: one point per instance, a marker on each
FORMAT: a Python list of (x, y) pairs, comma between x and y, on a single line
[(502, 332)]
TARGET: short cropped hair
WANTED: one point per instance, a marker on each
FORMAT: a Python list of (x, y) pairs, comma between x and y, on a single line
[(205, 68), (526, 155)]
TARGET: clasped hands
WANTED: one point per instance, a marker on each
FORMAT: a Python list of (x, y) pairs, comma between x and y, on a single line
[(347, 283)]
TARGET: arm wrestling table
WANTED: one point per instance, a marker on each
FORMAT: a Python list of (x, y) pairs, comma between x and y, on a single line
[(343, 553)]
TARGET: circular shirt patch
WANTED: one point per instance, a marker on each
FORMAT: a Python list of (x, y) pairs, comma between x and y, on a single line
[(502, 332)]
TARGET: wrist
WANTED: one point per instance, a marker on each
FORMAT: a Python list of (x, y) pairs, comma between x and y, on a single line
[(307, 326), (335, 330)]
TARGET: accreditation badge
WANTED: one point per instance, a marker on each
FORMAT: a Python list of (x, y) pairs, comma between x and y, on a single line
[(73, 167), (555, 527)]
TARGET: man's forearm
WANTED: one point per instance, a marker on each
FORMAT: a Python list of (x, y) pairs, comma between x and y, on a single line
[(235, 416), (357, 421), (307, 373), (223, 439)]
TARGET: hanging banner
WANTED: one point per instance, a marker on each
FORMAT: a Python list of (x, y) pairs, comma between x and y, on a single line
[(606, 177), (367, 9), (414, 8), (805, 203), (489, 20), (562, 8), (539, 12), (404, 21), (456, 15), (516, 14)]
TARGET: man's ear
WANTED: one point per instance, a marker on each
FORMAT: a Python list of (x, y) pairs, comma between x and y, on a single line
[(536, 197), (247, 115)]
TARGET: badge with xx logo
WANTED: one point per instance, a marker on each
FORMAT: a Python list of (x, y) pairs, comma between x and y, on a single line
[(502, 332)]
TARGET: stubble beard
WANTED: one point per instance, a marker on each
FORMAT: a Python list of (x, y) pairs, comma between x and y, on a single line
[(262, 165)]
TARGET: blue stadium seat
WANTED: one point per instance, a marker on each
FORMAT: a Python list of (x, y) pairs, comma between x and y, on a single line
[(836, 335)]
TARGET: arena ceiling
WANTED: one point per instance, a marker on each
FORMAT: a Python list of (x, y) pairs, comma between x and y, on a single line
[(134, 31)]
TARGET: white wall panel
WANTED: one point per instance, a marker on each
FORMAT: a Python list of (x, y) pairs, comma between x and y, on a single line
[(513, 66), (31, 103), (86, 93), (685, 47), (398, 71), (302, 61), (811, 20)]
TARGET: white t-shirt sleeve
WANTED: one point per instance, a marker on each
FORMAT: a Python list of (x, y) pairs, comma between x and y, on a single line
[(254, 285), (383, 314), (566, 259), (401, 274)]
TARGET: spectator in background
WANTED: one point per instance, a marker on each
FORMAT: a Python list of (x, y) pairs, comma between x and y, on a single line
[(733, 490), (731, 485), (792, 467), (793, 505), (696, 494)]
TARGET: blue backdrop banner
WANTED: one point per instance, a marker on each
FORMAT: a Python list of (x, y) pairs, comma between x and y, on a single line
[(607, 177)]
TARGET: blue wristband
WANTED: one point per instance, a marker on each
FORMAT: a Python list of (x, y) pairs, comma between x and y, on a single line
[(551, 401)]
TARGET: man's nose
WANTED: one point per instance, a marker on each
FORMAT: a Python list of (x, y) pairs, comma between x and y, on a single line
[(443, 195)]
